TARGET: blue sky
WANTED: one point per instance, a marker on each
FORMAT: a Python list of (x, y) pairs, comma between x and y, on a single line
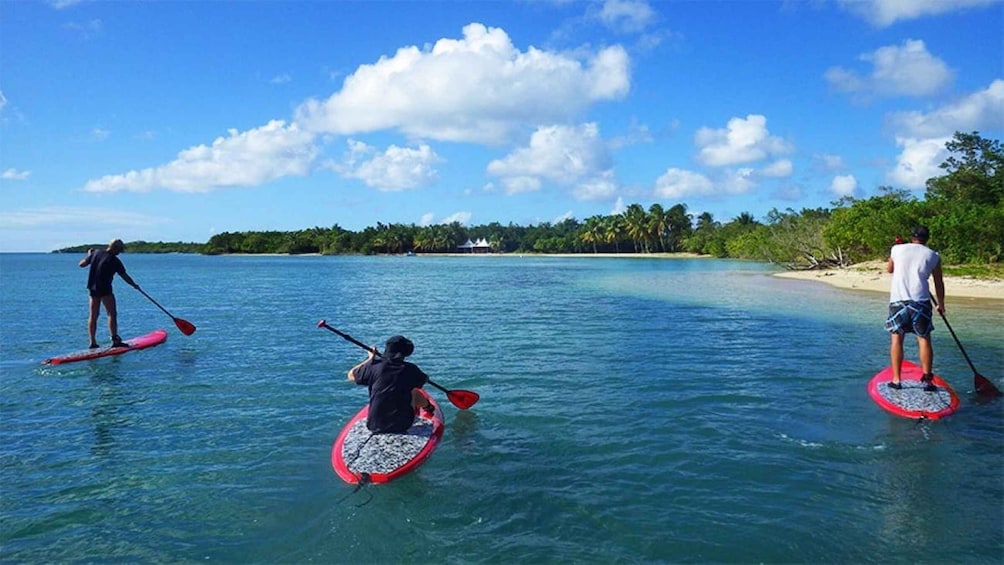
[(167, 121)]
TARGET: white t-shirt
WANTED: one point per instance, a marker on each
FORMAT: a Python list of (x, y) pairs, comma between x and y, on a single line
[(912, 264)]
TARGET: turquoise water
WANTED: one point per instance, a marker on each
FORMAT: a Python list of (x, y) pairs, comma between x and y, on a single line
[(632, 410)]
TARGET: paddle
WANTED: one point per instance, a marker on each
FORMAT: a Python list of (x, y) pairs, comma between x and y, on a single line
[(462, 399), (185, 326), (983, 385)]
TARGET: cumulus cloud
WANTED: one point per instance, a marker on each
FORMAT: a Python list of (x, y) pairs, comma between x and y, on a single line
[(619, 206), (601, 187), (247, 158), (395, 169), (479, 89), (678, 183), (904, 70), (14, 174), (980, 110), (742, 141), (626, 16), (828, 162), (778, 169), (918, 161), (566, 155), (922, 136), (459, 217), (883, 13), (844, 185)]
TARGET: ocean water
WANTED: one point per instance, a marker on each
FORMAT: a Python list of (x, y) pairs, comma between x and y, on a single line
[(632, 411)]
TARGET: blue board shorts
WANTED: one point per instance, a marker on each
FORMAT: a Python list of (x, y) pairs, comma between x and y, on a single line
[(910, 317)]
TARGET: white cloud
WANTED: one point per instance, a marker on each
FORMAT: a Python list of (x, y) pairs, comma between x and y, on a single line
[(778, 169), (619, 206), (459, 217), (626, 16), (844, 185), (922, 136), (678, 183), (14, 174), (566, 216), (480, 88), (426, 219), (397, 168), (981, 110), (601, 187), (828, 162), (565, 155), (882, 13), (281, 79), (918, 161), (3, 101), (245, 158), (739, 181), (743, 141), (906, 70), (99, 134)]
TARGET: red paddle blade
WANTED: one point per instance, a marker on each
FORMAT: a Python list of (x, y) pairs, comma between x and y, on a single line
[(184, 326), (984, 387), (463, 399)]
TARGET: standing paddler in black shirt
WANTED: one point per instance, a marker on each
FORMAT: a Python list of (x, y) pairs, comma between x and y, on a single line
[(105, 264)]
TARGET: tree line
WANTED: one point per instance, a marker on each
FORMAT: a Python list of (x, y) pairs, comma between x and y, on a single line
[(964, 209)]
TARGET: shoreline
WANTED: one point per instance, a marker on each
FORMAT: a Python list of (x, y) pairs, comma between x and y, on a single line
[(872, 277)]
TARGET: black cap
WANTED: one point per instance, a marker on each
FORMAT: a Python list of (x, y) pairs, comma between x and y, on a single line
[(398, 347), (920, 233)]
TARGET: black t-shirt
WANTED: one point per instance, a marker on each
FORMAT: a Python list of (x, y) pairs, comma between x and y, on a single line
[(104, 265), (390, 384)]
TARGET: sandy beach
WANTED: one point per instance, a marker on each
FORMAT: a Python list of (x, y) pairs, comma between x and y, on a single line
[(872, 276)]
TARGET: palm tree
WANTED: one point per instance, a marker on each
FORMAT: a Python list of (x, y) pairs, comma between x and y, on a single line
[(613, 229), (658, 225), (636, 225), (592, 231)]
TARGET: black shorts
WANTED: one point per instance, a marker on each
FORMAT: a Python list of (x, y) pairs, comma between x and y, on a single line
[(100, 293)]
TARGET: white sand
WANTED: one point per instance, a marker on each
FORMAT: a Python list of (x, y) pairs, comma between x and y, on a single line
[(872, 276)]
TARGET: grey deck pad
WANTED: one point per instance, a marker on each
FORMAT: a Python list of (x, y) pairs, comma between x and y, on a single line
[(366, 452), (913, 397)]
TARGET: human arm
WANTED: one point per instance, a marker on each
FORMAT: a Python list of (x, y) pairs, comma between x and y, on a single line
[(128, 280), (939, 288), (369, 358), (87, 260)]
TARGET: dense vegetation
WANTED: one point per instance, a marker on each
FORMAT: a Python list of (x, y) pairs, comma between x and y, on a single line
[(964, 209), (142, 247)]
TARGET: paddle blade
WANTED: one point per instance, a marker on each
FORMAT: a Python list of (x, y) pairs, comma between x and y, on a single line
[(463, 399), (984, 387), (184, 326)]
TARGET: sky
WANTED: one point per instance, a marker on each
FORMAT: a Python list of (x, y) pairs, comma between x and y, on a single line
[(175, 121)]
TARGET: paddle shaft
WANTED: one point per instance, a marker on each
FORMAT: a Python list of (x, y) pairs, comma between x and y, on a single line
[(462, 399), (150, 298), (982, 384), (185, 326), (957, 342)]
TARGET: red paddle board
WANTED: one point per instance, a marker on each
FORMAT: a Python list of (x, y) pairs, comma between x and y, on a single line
[(151, 339), (912, 401), (360, 455)]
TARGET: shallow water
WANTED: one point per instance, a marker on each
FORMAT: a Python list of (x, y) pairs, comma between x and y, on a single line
[(631, 410)]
